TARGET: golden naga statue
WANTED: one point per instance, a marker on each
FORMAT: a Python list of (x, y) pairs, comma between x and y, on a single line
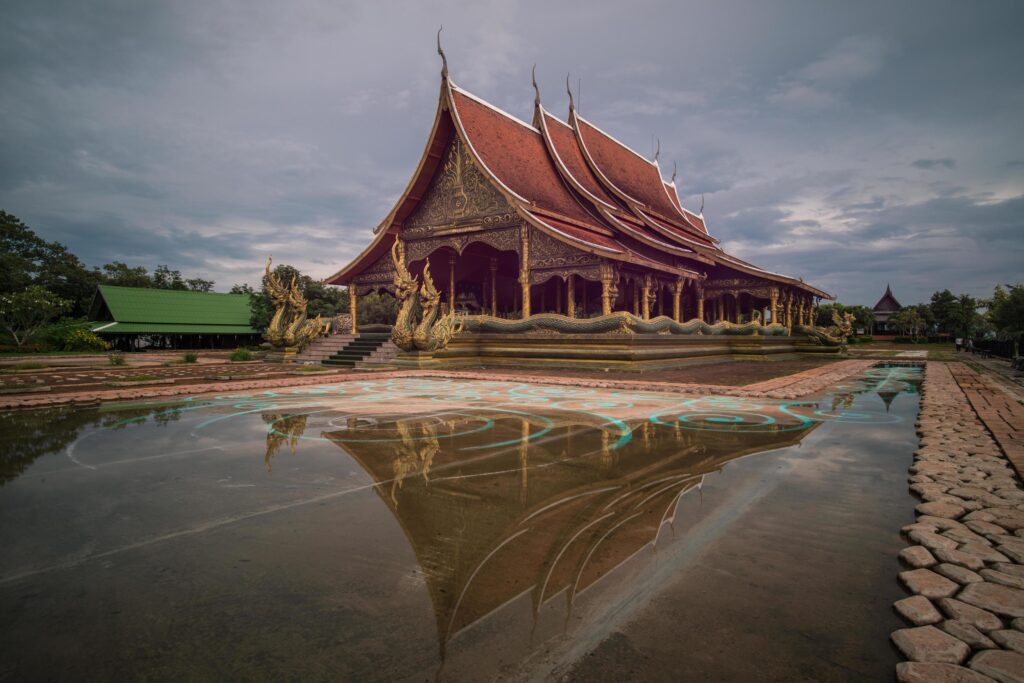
[(289, 328), (841, 327), (434, 331)]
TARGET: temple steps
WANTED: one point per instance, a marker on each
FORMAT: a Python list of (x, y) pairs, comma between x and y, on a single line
[(358, 349)]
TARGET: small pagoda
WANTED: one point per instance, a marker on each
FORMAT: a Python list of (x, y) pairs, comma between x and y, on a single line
[(518, 220)]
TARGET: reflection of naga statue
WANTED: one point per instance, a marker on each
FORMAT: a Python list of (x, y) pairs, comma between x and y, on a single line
[(405, 293), (284, 429), (434, 331), (411, 457), (289, 328)]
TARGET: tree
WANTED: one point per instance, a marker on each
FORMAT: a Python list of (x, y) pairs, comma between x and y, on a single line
[(27, 259), (944, 310), (243, 288), (197, 284), (23, 313), (863, 316), (1006, 313), (965, 320), (122, 275), (908, 321), (377, 309)]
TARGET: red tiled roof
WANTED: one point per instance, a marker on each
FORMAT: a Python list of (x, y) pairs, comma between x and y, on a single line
[(515, 155), (564, 141)]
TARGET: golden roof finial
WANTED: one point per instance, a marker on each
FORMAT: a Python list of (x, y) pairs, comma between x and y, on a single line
[(673, 172), (568, 89), (444, 60), (536, 90)]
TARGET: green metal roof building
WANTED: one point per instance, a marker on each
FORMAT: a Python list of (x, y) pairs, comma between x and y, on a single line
[(173, 313)]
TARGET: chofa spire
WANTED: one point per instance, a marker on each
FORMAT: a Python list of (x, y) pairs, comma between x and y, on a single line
[(444, 60), (568, 89), (536, 90)]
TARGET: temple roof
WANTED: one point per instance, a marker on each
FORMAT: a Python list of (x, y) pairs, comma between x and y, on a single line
[(570, 180), (887, 302)]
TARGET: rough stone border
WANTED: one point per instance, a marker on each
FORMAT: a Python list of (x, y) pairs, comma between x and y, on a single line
[(966, 567), (788, 387)]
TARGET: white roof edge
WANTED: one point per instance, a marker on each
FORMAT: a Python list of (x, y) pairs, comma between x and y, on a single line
[(103, 327), (490, 106), (558, 157)]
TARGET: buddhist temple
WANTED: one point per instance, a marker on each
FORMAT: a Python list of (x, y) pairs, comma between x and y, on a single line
[(886, 308), (515, 220)]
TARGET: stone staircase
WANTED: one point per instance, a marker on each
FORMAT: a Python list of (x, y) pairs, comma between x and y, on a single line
[(320, 349), (363, 348), (385, 353)]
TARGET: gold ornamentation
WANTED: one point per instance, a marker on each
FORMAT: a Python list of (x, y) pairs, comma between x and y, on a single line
[(405, 292), (289, 328), (434, 331)]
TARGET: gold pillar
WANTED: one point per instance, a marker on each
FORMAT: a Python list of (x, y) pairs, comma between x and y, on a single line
[(494, 286), (773, 297), (607, 273), (451, 282), (646, 303), (677, 292), (700, 302), (570, 303), (352, 308), (524, 270), (800, 312), (789, 310)]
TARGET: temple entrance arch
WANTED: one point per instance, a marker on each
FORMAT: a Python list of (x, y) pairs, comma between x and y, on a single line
[(479, 279)]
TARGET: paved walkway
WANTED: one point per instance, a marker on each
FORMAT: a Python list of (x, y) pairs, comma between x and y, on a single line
[(788, 387), (1001, 414)]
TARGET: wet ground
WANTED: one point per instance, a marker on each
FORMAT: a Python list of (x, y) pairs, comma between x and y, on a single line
[(413, 529), (734, 373)]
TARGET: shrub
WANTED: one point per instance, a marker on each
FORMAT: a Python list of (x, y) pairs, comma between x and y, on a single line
[(83, 340), (116, 358), (240, 355), (190, 357)]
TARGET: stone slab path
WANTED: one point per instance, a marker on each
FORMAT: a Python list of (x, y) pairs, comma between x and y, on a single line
[(1003, 416), (965, 567)]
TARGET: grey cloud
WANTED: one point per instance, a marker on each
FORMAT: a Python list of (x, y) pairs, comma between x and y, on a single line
[(929, 164)]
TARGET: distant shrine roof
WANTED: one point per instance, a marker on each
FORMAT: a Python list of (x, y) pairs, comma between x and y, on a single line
[(887, 302), (570, 180)]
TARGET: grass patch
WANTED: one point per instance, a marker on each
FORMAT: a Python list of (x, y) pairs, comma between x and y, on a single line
[(141, 378), (312, 368), (190, 357), (21, 367), (241, 355)]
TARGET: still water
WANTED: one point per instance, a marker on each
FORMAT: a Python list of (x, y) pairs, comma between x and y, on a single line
[(453, 530)]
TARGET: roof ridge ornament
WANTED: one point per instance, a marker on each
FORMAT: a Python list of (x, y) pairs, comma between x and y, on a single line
[(536, 99), (568, 89), (673, 181), (657, 152), (701, 212), (444, 60)]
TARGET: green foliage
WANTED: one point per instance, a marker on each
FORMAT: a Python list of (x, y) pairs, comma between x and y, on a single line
[(1006, 314), (243, 288), (24, 313), (116, 358), (241, 355), (377, 309), (83, 340), (909, 321), (944, 308), (190, 357), (321, 299)]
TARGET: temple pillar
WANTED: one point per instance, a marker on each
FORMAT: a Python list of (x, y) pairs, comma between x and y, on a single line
[(524, 270), (451, 282), (700, 303), (494, 287), (352, 308), (607, 273), (789, 310), (677, 292), (647, 297), (800, 311), (773, 297), (661, 299), (570, 303)]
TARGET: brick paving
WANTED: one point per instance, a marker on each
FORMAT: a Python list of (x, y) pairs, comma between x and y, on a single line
[(1003, 416)]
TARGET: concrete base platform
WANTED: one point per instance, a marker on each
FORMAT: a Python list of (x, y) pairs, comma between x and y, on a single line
[(635, 353)]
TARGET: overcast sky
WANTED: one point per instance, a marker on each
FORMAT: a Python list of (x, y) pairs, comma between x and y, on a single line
[(850, 143)]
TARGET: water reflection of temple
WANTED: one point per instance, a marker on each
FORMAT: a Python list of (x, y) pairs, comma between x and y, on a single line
[(543, 516)]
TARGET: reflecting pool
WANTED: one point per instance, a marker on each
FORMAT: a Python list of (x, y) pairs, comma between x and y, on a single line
[(421, 529)]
